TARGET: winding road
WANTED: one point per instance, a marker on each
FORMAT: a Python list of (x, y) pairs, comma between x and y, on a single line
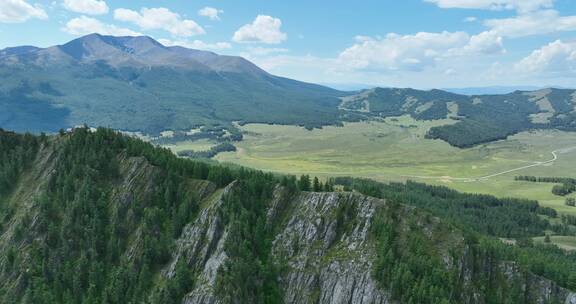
[(475, 179)]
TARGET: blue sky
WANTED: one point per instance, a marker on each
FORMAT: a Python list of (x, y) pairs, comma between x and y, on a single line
[(411, 43)]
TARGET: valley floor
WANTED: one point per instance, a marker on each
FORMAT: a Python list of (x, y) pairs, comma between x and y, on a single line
[(395, 149)]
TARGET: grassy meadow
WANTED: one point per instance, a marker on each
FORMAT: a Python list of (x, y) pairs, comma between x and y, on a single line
[(197, 145), (394, 149)]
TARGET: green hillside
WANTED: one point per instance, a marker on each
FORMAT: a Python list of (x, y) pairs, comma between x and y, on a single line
[(93, 217), (479, 118), (134, 83)]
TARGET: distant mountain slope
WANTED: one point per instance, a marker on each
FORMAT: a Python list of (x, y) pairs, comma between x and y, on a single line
[(481, 118), (138, 84), (135, 83)]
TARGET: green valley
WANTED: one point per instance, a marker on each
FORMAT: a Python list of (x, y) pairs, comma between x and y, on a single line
[(395, 149)]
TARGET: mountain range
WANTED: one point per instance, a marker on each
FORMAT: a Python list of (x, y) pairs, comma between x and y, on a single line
[(138, 84)]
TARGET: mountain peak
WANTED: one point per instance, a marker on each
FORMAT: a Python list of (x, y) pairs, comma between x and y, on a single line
[(131, 51), (110, 48)]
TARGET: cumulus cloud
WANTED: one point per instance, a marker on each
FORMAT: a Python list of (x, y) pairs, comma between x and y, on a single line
[(264, 29), (196, 44), (534, 17), (15, 11), (411, 52), (160, 19), (534, 23), (89, 7), (519, 5), (555, 57), (418, 51), (85, 25), (210, 12), (487, 42)]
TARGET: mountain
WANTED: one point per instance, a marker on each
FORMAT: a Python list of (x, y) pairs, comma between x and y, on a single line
[(136, 83), (477, 118), (97, 217)]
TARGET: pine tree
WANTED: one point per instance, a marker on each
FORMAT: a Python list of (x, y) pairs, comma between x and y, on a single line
[(304, 183), (317, 187)]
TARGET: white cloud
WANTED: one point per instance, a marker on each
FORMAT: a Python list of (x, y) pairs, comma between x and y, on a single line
[(470, 19), (555, 57), (488, 42), (519, 5), (160, 18), (85, 25), (211, 13), (264, 29), (408, 52), (418, 51), (534, 23), (89, 7), (196, 44), (15, 11), (534, 17)]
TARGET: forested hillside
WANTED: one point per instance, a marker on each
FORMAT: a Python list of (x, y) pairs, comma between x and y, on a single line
[(137, 84), (478, 118), (97, 217)]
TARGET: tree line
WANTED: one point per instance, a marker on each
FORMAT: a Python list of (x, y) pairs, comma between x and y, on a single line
[(566, 185)]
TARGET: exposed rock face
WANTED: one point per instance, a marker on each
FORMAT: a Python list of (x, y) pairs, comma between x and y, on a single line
[(326, 264), (571, 298), (328, 258), (202, 247)]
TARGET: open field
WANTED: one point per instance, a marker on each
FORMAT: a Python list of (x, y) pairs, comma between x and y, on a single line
[(565, 242), (197, 145), (395, 149)]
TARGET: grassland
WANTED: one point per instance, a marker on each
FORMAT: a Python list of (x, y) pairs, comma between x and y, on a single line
[(395, 149), (197, 145), (565, 242)]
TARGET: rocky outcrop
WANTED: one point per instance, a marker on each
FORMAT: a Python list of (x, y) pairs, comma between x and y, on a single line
[(324, 245), (328, 262), (201, 246)]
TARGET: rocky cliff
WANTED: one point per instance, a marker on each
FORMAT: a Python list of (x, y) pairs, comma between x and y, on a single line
[(328, 260)]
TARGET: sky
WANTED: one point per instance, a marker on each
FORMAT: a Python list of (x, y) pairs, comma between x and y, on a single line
[(409, 43)]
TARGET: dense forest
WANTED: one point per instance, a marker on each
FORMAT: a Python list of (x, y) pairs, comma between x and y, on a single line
[(495, 117), (80, 241), (213, 151), (81, 260), (479, 216), (508, 217)]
